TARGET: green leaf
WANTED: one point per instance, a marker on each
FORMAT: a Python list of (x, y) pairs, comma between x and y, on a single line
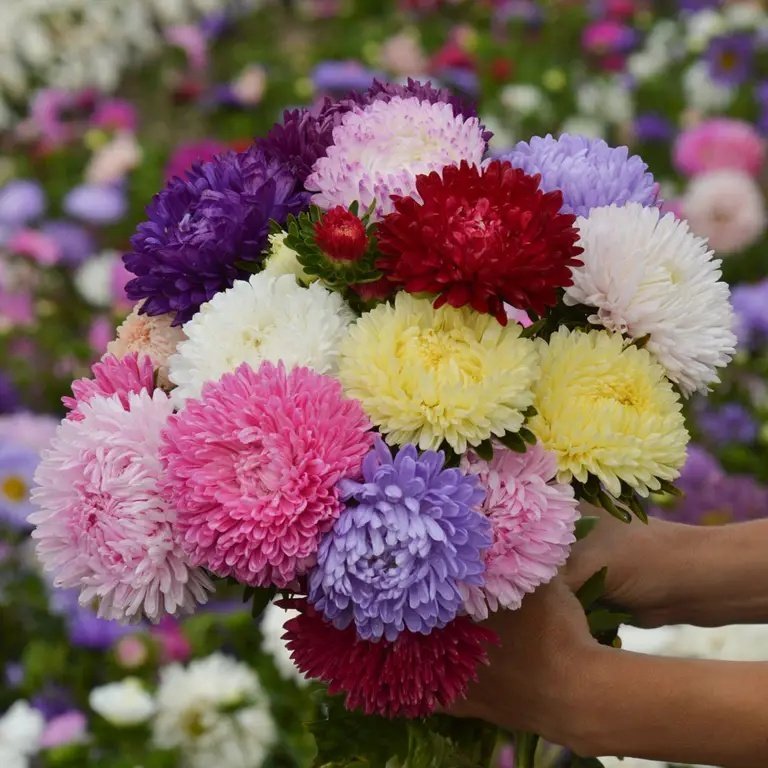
[(484, 450), (608, 503), (261, 600), (513, 441), (670, 488), (527, 436), (585, 762), (634, 504), (605, 620), (592, 589), (584, 526)]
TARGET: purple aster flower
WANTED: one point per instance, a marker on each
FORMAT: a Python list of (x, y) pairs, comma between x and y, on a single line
[(9, 397), (202, 226), (729, 423), (21, 201), (750, 304), (85, 628), (75, 243), (588, 172), (17, 469), (653, 127), (408, 537), (52, 701), (730, 58), (693, 6), (342, 76), (761, 96), (96, 203)]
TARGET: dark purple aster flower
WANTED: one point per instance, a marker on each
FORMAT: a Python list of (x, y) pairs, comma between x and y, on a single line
[(202, 226), (750, 303), (653, 127), (408, 537), (729, 423), (52, 701), (9, 397), (730, 58)]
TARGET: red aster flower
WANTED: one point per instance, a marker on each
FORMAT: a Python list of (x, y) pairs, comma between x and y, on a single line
[(481, 238), (409, 677), (341, 235)]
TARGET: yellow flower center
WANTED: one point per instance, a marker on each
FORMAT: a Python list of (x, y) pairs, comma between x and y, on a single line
[(442, 350), (623, 392), (14, 488), (728, 60)]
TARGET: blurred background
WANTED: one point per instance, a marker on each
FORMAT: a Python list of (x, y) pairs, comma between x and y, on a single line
[(103, 100)]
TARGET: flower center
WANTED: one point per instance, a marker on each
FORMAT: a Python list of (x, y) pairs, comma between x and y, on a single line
[(622, 392), (14, 488), (728, 60)]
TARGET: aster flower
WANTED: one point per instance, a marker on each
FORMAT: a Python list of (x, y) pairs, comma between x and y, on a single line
[(726, 424), (266, 318), (101, 523), (727, 208), (9, 397), (133, 373), (186, 155), (153, 337), (252, 469), (533, 518), (283, 260), (649, 276), (750, 303), (17, 470), (480, 238), (730, 58), (606, 409), (588, 172), (426, 375), (201, 227), (408, 677), (408, 538), (379, 150)]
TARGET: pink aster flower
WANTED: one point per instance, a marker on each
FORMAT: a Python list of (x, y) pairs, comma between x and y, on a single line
[(102, 524), (67, 728), (379, 150), (111, 376), (533, 518), (720, 143), (252, 468)]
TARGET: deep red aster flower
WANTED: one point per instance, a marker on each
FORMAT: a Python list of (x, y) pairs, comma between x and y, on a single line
[(341, 235), (409, 677), (481, 237)]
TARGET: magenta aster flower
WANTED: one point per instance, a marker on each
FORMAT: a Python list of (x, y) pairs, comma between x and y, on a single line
[(379, 150), (252, 468), (102, 524), (533, 518), (112, 376)]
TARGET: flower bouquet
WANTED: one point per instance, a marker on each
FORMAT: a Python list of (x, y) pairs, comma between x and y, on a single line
[(374, 373)]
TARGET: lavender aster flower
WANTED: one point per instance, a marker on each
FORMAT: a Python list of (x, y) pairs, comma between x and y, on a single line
[(201, 227), (75, 242), (17, 469), (96, 203), (408, 537), (342, 76), (730, 58), (9, 397), (21, 201), (588, 172), (750, 304), (653, 127), (730, 423)]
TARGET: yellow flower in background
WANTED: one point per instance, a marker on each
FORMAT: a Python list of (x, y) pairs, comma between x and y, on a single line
[(607, 409), (425, 375)]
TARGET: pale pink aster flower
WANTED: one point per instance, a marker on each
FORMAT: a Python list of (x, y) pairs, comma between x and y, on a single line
[(717, 144), (533, 518), (252, 469), (153, 336), (67, 728), (726, 208), (111, 376), (38, 246), (379, 150), (101, 523)]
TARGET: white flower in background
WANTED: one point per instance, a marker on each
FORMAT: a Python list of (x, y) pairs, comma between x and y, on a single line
[(727, 208), (263, 319), (581, 125), (123, 704), (524, 99), (283, 260), (21, 729), (605, 99), (272, 621), (745, 15), (701, 27), (702, 92), (648, 275), (114, 160), (504, 136), (215, 712), (660, 48), (94, 278)]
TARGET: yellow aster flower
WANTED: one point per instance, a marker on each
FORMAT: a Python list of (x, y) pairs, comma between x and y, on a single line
[(607, 409), (425, 375)]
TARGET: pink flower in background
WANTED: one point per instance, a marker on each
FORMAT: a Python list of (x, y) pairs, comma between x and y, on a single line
[(37, 246), (101, 523), (727, 208), (252, 469), (192, 40), (113, 162), (119, 278), (674, 206), (16, 308), (115, 115), (717, 144), (403, 54), (111, 376), (67, 728), (249, 86), (174, 646), (186, 155), (131, 651), (100, 334), (533, 518)]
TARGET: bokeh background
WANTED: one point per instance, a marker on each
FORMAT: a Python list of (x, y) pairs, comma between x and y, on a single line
[(103, 100)]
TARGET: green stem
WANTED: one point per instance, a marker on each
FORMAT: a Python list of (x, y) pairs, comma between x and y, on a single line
[(525, 749)]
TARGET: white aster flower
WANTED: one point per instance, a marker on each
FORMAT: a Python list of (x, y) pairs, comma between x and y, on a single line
[(282, 260), (263, 319), (605, 99), (122, 704), (94, 278), (379, 150), (272, 622), (582, 125), (702, 26), (648, 275), (21, 729), (702, 92), (727, 208), (215, 712), (523, 99)]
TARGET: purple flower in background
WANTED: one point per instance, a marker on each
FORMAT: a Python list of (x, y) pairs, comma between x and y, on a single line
[(730, 58), (653, 127), (21, 201), (186, 155), (17, 469), (9, 397), (59, 115), (115, 115), (588, 172), (96, 203), (692, 6), (750, 304), (75, 243), (728, 423), (85, 628), (408, 537), (30, 430), (342, 76), (52, 701), (761, 96), (462, 79), (201, 226)]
